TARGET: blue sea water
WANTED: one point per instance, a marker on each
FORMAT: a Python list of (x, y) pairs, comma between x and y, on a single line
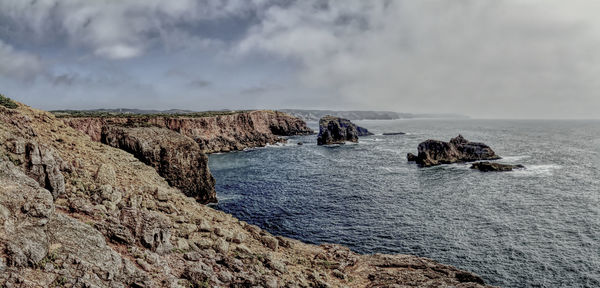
[(538, 227)]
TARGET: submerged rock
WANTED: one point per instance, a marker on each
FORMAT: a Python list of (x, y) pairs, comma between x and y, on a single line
[(393, 133), (435, 152), (496, 167), (335, 130)]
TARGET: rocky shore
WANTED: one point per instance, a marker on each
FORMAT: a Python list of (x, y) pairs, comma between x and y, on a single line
[(79, 213)]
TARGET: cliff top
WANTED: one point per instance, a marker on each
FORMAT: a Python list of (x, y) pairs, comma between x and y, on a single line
[(133, 114)]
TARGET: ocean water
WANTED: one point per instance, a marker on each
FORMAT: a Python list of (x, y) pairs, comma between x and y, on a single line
[(538, 227)]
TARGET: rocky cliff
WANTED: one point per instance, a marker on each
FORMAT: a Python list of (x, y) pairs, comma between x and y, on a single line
[(222, 133), (175, 157), (118, 223)]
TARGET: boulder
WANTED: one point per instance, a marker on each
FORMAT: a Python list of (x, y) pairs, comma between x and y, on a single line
[(486, 166), (335, 130), (435, 152)]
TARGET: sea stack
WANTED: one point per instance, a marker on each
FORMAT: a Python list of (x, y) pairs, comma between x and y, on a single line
[(335, 130), (459, 149)]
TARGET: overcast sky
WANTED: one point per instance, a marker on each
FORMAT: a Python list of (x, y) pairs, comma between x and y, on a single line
[(483, 58)]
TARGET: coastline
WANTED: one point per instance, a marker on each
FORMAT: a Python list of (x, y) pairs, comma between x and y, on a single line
[(157, 236)]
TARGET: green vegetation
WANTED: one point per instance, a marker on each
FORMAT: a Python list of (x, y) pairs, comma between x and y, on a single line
[(7, 102), (105, 114)]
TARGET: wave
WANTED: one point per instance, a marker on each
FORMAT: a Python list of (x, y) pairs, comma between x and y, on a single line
[(514, 158), (537, 170)]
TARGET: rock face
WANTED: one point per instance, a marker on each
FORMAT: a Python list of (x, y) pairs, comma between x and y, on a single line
[(486, 166), (176, 157), (120, 224), (335, 130), (41, 163), (434, 152), (221, 133)]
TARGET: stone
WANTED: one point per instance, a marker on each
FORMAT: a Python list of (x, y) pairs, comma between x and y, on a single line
[(270, 242), (106, 175), (182, 244), (434, 152), (151, 228), (221, 246), (43, 165)]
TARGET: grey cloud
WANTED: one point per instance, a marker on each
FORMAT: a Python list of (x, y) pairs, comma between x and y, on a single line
[(261, 89), (119, 29), (485, 58), (199, 83), (18, 64)]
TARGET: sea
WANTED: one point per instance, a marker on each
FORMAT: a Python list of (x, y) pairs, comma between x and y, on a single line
[(536, 227)]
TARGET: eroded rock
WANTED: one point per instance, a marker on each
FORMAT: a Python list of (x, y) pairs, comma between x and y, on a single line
[(434, 152), (335, 130)]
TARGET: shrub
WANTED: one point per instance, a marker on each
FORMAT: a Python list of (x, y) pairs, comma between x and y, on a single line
[(7, 102)]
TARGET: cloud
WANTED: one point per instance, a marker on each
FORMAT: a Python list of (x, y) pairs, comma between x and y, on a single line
[(199, 83), (118, 51), (18, 64), (486, 58), (120, 29)]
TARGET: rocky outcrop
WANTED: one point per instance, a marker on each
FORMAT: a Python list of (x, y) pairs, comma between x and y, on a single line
[(335, 130), (176, 157), (486, 166), (222, 133), (40, 247), (120, 224), (434, 152), (40, 162)]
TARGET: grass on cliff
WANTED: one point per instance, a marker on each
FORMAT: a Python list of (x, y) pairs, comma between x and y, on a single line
[(7, 102), (103, 114)]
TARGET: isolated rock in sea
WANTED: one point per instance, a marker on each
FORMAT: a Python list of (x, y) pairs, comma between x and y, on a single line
[(486, 166), (435, 152), (176, 157), (335, 130), (393, 133)]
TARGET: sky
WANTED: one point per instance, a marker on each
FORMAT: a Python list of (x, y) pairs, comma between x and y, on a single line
[(482, 58)]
